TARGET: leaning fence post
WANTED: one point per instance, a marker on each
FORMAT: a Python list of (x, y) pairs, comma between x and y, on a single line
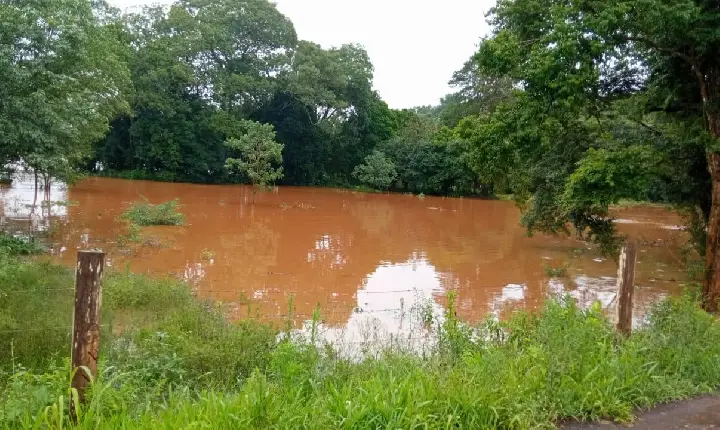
[(86, 321), (625, 280)]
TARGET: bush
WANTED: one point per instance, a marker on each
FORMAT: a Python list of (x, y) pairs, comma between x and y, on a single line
[(13, 245), (145, 213), (377, 171)]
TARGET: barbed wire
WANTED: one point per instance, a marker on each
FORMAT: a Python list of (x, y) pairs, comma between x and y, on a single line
[(41, 329), (36, 290)]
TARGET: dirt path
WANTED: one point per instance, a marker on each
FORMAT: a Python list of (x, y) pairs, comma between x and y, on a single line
[(696, 414)]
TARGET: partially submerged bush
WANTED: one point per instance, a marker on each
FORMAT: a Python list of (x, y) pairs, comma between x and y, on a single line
[(555, 272), (145, 213)]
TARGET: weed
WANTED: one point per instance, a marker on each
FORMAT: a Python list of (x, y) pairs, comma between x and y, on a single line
[(145, 213), (16, 245), (207, 255), (133, 234), (556, 272)]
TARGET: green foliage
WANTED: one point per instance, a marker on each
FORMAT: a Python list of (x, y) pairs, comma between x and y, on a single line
[(13, 245), (29, 290), (258, 153), (555, 272), (145, 213), (177, 361), (608, 108), (205, 68), (431, 162), (64, 78), (476, 94), (377, 171), (178, 341)]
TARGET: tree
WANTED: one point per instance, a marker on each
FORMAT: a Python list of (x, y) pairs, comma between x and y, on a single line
[(64, 78), (377, 171), (238, 47), (258, 152), (475, 93), (635, 80)]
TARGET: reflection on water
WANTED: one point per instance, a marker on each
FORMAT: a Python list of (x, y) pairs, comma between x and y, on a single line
[(27, 207), (377, 264), (383, 313)]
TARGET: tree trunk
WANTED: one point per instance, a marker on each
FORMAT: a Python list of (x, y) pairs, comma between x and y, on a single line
[(711, 287)]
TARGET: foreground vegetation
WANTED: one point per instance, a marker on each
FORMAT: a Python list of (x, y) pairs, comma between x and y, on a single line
[(169, 360)]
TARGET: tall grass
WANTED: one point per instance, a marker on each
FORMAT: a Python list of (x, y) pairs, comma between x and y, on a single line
[(171, 361)]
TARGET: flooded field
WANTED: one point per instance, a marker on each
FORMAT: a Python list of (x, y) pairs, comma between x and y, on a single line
[(367, 260)]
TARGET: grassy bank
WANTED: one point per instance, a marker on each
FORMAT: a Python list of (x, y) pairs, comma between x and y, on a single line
[(170, 361)]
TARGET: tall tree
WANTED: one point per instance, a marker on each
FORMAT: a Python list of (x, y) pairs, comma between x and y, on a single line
[(475, 93), (576, 61), (64, 77), (240, 46)]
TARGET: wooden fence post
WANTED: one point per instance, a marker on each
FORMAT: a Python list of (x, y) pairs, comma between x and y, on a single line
[(86, 321), (625, 280)]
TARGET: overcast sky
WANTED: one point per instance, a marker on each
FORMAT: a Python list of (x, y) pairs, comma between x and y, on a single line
[(415, 45)]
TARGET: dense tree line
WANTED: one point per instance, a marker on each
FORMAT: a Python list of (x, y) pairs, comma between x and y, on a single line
[(569, 106), (164, 92), (200, 68)]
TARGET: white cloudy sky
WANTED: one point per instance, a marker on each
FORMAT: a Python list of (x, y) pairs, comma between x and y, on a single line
[(415, 45)]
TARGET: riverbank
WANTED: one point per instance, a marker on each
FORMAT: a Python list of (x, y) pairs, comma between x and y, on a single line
[(169, 360), (139, 175)]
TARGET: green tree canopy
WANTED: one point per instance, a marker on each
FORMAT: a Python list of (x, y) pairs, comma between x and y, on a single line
[(63, 78), (259, 153), (377, 171), (615, 98)]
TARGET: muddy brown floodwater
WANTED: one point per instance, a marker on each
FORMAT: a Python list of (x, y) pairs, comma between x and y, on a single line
[(364, 258)]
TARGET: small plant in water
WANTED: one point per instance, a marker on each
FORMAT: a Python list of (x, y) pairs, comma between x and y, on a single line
[(132, 235), (207, 254), (426, 313), (315, 324), (145, 213), (556, 272), (290, 317)]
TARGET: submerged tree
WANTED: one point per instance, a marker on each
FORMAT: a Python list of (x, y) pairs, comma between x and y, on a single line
[(259, 153), (619, 98), (377, 171)]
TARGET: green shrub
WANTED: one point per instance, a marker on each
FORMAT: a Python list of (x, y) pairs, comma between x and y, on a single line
[(19, 246), (555, 272), (145, 213)]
